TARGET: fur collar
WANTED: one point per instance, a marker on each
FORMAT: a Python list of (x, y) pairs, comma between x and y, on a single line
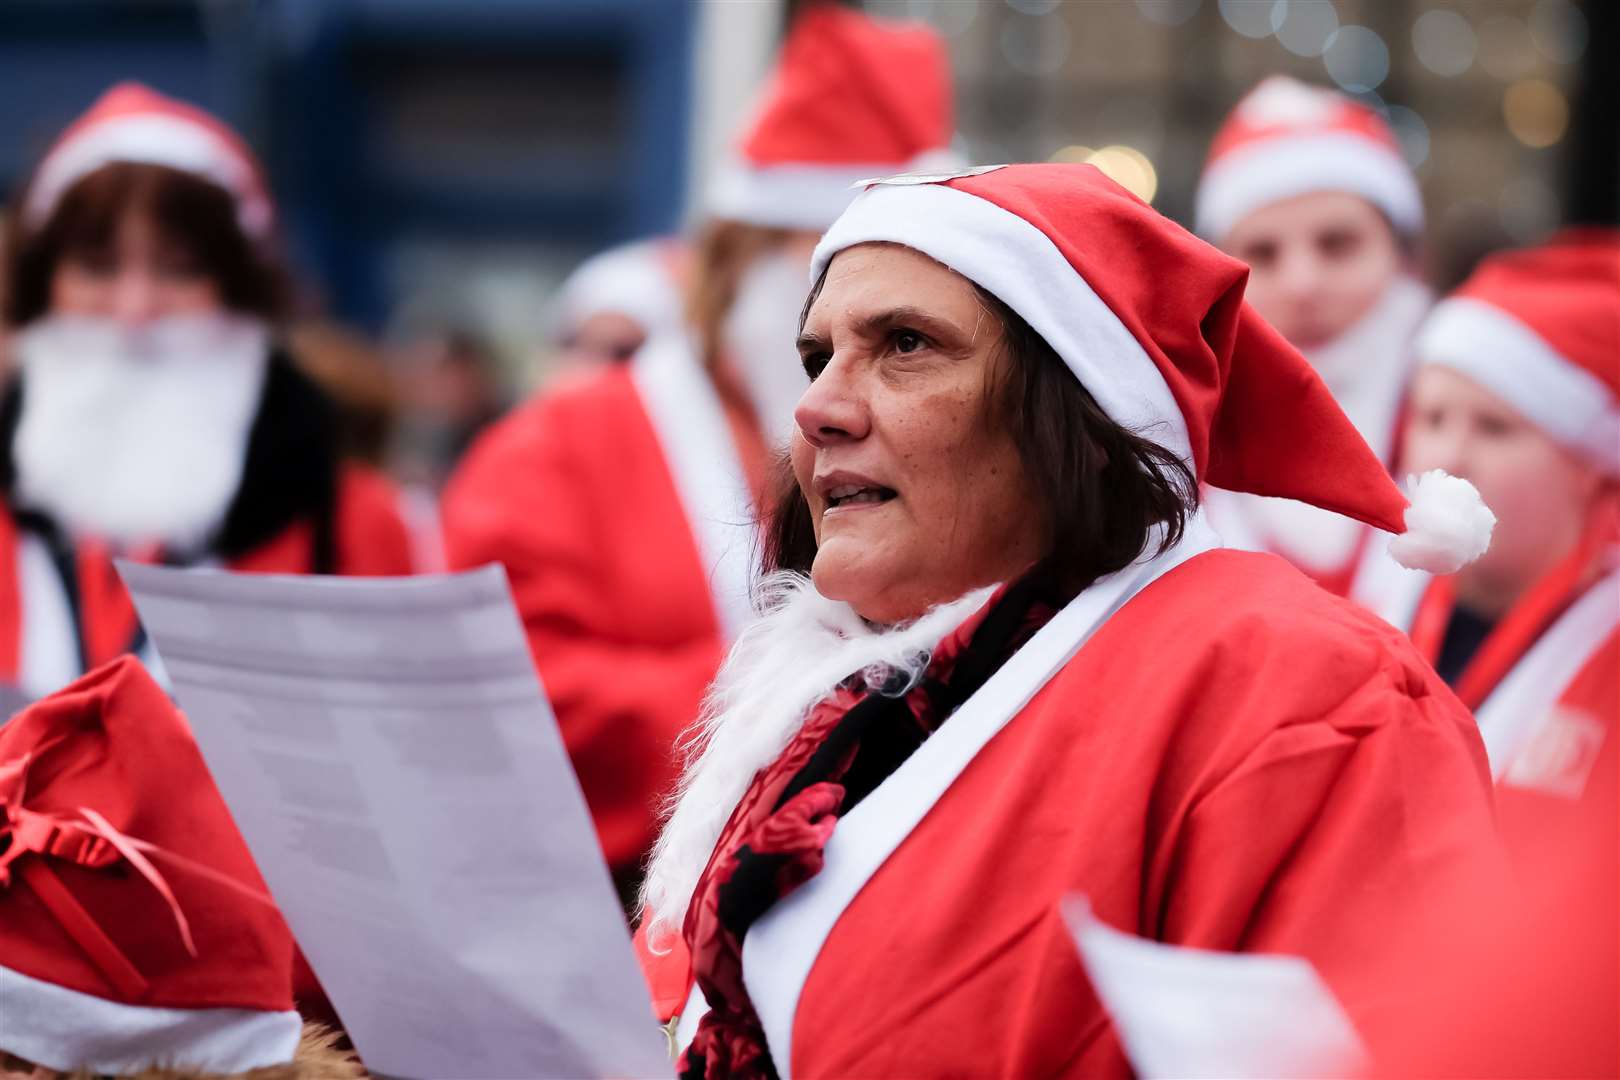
[(317, 1058), (781, 665)]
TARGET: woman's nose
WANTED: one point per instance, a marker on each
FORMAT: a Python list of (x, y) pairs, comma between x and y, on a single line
[(135, 297), (833, 408)]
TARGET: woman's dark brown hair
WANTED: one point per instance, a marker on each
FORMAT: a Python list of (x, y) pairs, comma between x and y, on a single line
[(187, 210), (1103, 489)]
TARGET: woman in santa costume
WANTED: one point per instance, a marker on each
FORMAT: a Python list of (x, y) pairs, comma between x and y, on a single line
[(622, 503), (1518, 390), (1008, 661), (152, 414), (136, 936), (1310, 190)]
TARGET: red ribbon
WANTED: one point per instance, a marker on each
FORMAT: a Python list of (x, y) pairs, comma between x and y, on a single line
[(87, 839)]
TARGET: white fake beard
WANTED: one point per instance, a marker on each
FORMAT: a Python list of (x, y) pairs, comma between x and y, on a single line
[(759, 334), (781, 665), (137, 434)]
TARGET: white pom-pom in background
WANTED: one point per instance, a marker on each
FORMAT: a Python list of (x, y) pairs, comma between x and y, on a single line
[(1448, 525)]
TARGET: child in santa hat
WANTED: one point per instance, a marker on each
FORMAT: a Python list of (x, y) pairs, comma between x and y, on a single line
[(1518, 389), (1008, 661), (622, 503), (153, 412), (136, 936), (1310, 189)]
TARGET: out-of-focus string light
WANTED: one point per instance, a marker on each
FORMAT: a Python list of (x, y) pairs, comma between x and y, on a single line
[(1305, 26), (1445, 42), (1412, 132), (1356, 59), (1072, 155), (1168, 12), (1253, 18), (1559, 30), (1129, 168), (1536, 112)]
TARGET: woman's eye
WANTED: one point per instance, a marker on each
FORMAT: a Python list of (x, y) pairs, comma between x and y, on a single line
[(1494, 427), (814, 365), (908, 341)]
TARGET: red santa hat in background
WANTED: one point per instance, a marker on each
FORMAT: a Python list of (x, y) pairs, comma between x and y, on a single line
[(851, 97), (1153, 323), (1540, 329), (133, 123), (643, 281), (1287, 138), (134, 929)]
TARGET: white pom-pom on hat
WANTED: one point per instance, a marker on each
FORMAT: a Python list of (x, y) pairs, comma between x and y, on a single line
[(1448, 525)]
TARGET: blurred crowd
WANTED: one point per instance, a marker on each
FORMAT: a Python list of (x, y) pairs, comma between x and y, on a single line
[(166, 396)]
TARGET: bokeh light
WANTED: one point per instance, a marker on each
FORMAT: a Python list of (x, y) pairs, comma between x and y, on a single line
[(950, 17), (1072, 155), (1413, 133), (1252, 18), (1445, 42), (1536, 112), (1306, 25), (1129, 168), (1559, 30), (1168, 12), (1357, 59)]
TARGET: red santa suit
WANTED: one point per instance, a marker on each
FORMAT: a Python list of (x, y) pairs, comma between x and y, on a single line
[(290, 506), (1537, 329), (622, 502), (1213, 750), (1283, 140)]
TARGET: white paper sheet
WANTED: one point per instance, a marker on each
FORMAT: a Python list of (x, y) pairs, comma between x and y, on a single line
[(1194, 1013), (389, 756)]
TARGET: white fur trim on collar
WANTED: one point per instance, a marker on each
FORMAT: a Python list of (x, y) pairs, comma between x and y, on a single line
[(64, 1029), (783, 664)]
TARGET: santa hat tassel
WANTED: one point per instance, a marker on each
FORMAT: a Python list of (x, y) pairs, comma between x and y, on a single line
[(1448, 525)]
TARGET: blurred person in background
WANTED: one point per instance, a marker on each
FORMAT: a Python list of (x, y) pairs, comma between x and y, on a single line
[(621, 502), (617, 299), (1311, 191), (153, 414), (1518, 390)]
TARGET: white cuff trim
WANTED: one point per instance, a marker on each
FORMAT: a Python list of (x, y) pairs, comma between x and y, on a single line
[(66, 1030)]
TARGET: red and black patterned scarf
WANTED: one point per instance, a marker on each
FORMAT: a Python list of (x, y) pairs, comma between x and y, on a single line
[(849, 743)]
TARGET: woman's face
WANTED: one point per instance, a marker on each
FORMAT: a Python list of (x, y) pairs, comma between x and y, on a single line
[(1540, 492), (140, 276), (916, 492), (1317, 263)]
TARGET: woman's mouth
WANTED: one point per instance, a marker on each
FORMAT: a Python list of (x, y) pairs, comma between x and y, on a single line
[(849, 496)]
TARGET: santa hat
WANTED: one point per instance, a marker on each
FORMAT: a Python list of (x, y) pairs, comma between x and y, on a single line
[(1152, 322), (1540, 329), (1286, 139), (643, 281), (134, 929), (851, 97), (133, 123)]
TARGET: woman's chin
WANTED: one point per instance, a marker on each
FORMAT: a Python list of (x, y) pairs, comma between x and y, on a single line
[(876, 594)]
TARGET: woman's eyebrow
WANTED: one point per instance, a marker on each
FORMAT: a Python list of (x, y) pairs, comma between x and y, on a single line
[(911, 318)]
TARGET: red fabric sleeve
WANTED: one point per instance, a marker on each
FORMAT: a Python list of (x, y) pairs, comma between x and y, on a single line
[(372, 539), (541, 495), (1341, 839)]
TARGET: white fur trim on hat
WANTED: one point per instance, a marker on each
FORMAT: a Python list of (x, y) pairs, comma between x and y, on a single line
[(1448, 525), (1515, 363), (795, 196), (64, 1029), (1019, 265), (153, 139), (1246, 178)]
